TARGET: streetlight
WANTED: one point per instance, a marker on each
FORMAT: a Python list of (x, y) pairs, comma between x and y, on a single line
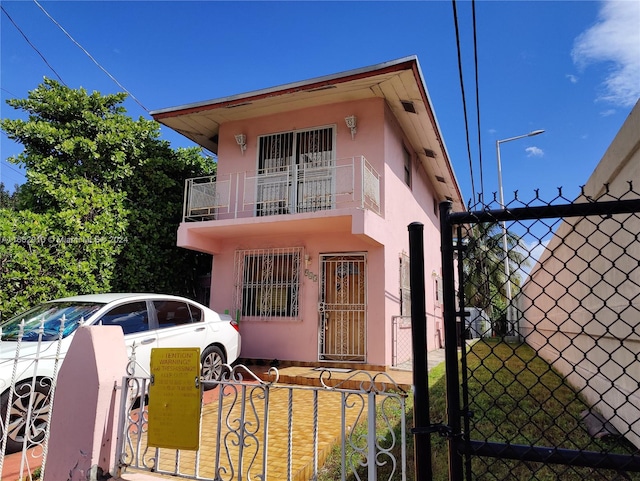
[(507, 270)]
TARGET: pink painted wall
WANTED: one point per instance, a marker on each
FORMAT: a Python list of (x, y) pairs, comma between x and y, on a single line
[(84, 421), (406, 205), (380, 140)]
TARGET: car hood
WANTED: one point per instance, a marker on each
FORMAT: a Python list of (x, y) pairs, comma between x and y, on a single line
[(29, 349)]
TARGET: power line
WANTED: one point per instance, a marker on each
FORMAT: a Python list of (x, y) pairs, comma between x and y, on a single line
[(464, 101), (7, 164), (91, 57), (10, 93), (475, 58), (32, 46)]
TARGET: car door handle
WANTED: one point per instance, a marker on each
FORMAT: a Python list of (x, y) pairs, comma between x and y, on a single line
[(200, 329), (148, 341)]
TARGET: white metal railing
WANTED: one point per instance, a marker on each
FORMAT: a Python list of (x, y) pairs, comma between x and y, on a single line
[(252, 429), (348, 182), (30, 377)]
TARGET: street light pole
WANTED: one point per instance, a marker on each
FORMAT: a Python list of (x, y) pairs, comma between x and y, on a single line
[(507, 270)]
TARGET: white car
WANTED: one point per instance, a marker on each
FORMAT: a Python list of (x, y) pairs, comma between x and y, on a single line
[(147, 320)]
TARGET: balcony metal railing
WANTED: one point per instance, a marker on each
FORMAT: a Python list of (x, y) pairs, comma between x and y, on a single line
[(340, 183)]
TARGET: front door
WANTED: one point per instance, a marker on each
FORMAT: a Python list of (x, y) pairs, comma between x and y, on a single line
[(342, 307)]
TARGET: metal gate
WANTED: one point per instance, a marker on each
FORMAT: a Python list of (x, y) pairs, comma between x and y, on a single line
[(550, 390), (342, 307), (252, 429)]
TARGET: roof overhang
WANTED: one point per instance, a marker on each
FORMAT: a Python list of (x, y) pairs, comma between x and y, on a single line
[(399, 82)]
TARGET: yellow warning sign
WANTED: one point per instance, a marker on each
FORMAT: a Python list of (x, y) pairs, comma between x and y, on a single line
[(174, 398)]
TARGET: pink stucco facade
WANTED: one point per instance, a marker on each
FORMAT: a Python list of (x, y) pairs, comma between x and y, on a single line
[(407, 193)]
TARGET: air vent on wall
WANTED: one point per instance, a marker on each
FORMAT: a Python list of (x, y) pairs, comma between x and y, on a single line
[(430, 153), (408, 106), (440, 179)]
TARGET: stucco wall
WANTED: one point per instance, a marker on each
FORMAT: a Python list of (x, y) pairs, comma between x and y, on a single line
[(411, 204), (588, 326), (380, 140)]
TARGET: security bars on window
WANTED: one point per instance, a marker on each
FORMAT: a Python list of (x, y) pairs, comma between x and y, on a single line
[(268, 282)]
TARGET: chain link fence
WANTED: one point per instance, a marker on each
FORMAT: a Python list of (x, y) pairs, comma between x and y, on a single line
[(550, 388)]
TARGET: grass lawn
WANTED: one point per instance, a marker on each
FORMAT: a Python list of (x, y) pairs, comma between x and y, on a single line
[(515, 397)]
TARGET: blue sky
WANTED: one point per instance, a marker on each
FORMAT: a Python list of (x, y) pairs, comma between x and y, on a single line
[(571, 68)]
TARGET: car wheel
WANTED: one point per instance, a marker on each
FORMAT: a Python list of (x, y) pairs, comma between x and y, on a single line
[(212, 361), (40, 407)]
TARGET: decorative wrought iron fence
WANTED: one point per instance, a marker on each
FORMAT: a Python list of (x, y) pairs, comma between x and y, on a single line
[(29, 363), (252, 429), (550, 390)]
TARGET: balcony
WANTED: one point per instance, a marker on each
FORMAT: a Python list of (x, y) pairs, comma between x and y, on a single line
[(295, 189)]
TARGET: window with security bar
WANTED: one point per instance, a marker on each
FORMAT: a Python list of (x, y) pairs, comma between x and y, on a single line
[(405, 287), (295, 171), (268, 282)]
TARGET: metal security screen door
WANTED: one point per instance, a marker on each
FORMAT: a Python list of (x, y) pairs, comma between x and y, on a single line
[(342, 307), (295, 172)]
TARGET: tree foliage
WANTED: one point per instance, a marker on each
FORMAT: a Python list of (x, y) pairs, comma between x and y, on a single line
[(101, 205), (485, 280), (8, 200)]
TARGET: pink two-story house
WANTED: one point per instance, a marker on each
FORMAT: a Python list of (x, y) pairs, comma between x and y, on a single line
[(307, 216)]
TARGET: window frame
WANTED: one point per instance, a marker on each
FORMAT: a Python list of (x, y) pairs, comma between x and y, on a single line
[(405, 285), (407, 166), (282, 160), (268, 283)]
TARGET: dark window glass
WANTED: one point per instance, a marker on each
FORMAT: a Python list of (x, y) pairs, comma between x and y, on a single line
[(407, 167), (196, 313), (50, 315), (132, 317), (172, 313)]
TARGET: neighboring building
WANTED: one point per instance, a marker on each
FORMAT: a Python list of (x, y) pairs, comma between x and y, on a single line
[(307, 216), (581, 302)]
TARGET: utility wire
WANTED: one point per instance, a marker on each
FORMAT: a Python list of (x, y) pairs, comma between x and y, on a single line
[(32, 45), (475, 57), (10, 93), (10, 167), (90, 56), (464, 101)]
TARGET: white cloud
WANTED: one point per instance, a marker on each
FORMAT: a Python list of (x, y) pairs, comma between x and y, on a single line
[(534, 152), (614, 39), (607, 113), (572, 78)]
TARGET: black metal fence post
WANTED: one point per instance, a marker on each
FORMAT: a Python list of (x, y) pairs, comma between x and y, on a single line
[(450, 342), (422, 445)]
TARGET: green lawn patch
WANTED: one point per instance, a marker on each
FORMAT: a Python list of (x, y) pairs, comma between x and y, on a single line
[(515, 397)]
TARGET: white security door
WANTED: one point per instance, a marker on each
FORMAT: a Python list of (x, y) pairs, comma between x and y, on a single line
[(295, 172), (275, 170), (315, 174)]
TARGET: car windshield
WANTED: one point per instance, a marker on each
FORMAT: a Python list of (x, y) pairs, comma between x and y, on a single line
[(51, 313)]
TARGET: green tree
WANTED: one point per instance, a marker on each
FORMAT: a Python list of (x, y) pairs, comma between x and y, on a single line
[(102, 201), (485, 282), (8, 200), (150, 260)]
